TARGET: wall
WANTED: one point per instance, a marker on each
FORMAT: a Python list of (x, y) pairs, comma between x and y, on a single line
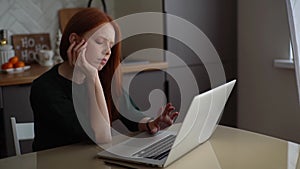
[(37, 16), (138, 42), (267, 96), (217, 20)]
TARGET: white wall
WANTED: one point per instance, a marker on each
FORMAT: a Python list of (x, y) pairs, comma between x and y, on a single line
[(31, 16), (267, 96), (38, 16)]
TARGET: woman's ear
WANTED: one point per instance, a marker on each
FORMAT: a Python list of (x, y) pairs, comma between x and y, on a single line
[(73, 38)]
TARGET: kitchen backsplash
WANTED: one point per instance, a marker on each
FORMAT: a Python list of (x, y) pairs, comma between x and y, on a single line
[(36, 16)]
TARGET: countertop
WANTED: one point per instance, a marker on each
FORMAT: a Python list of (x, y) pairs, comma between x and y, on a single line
[(26, 77), (228, 148)]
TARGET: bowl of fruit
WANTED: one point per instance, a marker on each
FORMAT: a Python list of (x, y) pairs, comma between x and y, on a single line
[(14, 65)]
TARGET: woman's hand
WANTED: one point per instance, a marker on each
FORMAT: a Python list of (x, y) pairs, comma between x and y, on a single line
[(165, 119), (77, 59), (97, 107)]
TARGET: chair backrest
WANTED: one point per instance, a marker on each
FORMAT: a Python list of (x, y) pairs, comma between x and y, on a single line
[(65, 15), (21, 131)]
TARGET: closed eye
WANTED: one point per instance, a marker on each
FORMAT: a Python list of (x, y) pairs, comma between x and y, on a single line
[(99, 42), (102, 40)]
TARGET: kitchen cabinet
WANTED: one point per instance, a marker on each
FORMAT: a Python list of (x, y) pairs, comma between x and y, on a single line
[(15, 104), (136, 42), (217, 20), (14, 101), (183, 88), (147, 90)]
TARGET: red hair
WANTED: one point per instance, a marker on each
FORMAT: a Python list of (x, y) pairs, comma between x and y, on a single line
[(82, 22)]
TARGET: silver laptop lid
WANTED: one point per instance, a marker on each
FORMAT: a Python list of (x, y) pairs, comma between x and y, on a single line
[(198, 127), (200, 122)]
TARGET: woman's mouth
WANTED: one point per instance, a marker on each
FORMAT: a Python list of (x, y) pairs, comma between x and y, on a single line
[(103, 61)]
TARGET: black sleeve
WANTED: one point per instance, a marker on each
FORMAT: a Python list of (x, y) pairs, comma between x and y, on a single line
[(130, 115), (55, 119)]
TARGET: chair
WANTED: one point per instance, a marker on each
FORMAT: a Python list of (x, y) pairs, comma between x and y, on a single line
[(21, 131), (65, 15)]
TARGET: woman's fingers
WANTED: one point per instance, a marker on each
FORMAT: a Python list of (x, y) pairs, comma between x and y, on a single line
[(77, 50), (74, 51), (166, 118), (167, 109), (81, 52), (81, 60), (174, 115), (78, 46), (70, 53)]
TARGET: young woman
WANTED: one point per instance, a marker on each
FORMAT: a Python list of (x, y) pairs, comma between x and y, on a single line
[(72, 102)]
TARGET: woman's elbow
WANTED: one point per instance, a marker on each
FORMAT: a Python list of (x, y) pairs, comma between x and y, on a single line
[(103, 139)]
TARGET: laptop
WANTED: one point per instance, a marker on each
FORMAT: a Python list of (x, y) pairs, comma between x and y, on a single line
[(165, 147)]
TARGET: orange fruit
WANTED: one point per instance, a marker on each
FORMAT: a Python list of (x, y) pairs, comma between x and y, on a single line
[(14, 60), (7, 65), (19, 64)]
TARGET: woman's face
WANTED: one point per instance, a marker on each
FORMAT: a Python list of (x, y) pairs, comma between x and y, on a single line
[(99, 45)]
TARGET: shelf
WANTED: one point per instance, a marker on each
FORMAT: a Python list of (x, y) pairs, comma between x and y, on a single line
[(128, 68), (284, 63), (36, 70)]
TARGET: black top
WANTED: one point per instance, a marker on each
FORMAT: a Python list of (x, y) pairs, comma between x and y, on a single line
[(55, 120)]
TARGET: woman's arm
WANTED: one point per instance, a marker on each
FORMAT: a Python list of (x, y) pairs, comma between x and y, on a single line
[(99, 116), (135, 120), (166, 117), (98, 112)]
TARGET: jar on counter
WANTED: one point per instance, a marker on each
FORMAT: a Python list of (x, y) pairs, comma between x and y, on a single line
[(6, 50)]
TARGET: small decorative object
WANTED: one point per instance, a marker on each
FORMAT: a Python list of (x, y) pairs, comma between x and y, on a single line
[(3, 37), (57, 58), (6, 50), (45, 57), (27, 46)]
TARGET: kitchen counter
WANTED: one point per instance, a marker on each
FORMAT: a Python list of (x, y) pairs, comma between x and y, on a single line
[(36, 70), (26, 77)]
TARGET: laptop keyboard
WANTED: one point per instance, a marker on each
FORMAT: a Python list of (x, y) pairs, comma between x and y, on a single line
[(157, 150)]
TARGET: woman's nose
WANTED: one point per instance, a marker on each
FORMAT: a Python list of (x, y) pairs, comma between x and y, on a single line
[(107, 51)]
